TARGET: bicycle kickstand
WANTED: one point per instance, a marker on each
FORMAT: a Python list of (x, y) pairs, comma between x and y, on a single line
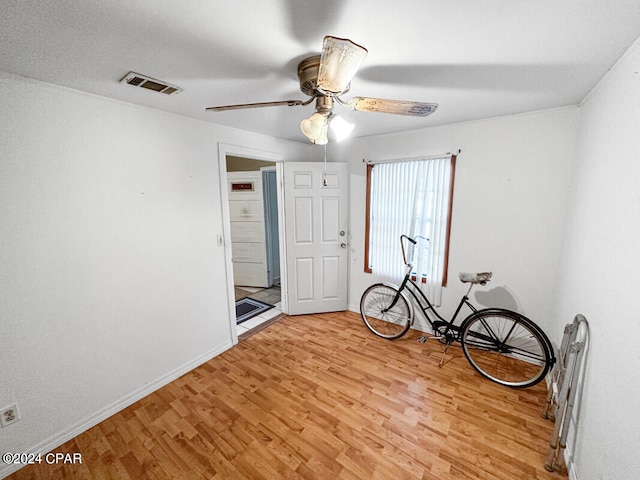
[(444, 354)]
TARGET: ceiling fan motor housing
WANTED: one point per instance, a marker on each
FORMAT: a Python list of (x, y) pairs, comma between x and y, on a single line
[(308, 75)]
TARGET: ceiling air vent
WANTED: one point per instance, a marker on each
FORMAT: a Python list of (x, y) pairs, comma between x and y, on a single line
[(149, 83)]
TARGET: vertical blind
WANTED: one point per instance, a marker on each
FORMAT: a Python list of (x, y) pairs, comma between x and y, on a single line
[(411, 198)]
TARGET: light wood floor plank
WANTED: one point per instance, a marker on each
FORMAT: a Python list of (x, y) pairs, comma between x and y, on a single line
[(320, 397)]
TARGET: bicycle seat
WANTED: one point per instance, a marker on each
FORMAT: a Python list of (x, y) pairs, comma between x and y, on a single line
[(476, 278)]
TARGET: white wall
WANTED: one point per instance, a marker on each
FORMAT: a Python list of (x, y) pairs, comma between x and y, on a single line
[(111, 280), (508, 209), (600, 274)]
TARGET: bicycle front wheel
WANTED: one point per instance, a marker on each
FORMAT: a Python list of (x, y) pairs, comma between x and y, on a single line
[(385, 311), (506, 347)]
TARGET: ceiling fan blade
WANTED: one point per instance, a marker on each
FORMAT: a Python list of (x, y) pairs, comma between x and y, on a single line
[(290, 103), (398, 107), (339, 62)]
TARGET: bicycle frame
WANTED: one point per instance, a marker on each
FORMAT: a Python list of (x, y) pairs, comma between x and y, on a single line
[(449, 325), (421, 299)]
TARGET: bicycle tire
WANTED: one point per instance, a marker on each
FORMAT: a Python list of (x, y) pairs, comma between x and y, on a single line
[(506, 347), (385, 322)]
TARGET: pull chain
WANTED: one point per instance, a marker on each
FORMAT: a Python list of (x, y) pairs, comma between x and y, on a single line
[(324, 177)]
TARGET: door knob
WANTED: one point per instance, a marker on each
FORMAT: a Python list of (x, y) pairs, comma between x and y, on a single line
[(343, 245)]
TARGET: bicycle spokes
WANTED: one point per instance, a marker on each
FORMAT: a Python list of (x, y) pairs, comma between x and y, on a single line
[(385, 311), (506, 349)]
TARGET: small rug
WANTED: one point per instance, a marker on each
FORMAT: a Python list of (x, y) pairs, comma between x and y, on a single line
[(248, 308)]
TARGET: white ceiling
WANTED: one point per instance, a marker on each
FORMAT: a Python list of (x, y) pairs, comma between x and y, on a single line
[(476, 58)]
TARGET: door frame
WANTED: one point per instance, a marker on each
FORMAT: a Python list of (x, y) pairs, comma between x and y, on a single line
[(265, 171), (225, 149)]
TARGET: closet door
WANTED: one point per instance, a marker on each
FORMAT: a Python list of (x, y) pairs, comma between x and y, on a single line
[(246, 211)]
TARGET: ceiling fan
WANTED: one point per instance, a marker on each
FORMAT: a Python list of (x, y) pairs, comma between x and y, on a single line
[(324, 78)]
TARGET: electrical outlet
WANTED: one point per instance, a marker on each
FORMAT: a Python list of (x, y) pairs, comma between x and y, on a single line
[(9, 415)]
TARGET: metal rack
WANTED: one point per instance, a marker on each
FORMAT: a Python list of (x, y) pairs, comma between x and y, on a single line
[(562, 394)]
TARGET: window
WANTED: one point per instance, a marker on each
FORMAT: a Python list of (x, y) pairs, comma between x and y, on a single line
[(412, 198)]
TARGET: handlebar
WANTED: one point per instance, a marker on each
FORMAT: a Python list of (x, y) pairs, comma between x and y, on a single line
[(404, 255), (473, 278)]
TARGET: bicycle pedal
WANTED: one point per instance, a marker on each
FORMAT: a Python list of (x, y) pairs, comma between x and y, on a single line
[(422, 339)]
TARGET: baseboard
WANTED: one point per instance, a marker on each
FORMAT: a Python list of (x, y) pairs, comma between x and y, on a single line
[(416, 325), (92, 420)]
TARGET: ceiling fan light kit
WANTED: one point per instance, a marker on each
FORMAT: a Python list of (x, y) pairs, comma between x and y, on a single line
[(340, 127), (315, 128), (324, 78)]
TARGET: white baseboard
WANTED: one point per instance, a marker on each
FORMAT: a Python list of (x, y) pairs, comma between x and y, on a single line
[(92, 420)]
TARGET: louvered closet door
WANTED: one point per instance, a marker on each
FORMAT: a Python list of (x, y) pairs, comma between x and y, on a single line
[(316, 236)]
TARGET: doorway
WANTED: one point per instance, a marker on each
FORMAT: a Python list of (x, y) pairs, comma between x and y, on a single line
[(313, 244), (252, 198)]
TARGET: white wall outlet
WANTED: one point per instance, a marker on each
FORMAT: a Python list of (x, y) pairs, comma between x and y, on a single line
[(9, 415)]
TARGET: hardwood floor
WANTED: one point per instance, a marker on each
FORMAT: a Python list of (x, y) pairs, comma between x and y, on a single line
[(320, 397)]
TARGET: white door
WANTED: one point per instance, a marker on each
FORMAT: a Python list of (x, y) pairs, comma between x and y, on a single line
[(316, 236)]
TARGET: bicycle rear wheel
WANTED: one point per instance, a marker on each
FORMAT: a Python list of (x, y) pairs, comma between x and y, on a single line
[(383, 317), (506, 347)]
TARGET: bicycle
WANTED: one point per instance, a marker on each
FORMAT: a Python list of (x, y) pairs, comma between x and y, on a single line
[(503, 346)]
